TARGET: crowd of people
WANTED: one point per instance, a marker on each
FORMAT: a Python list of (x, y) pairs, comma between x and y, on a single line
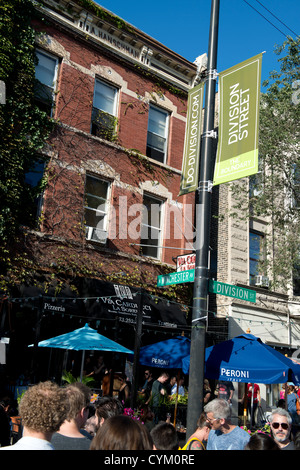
[(57, 417)]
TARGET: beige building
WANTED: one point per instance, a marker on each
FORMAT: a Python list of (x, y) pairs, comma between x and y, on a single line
[(237, 247)]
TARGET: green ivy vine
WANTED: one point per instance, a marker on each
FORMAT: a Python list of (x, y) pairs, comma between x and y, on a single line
[(24, 128)]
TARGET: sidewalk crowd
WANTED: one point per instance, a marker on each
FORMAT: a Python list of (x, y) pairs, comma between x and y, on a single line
[(57, 417)]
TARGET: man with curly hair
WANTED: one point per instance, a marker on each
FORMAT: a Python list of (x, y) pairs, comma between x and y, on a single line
[(71, 435), (43, 408)]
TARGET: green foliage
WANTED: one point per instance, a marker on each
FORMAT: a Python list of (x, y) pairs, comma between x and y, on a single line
[(105, 125), (276, 198), (23, 127), (69, 378), (104, 14)]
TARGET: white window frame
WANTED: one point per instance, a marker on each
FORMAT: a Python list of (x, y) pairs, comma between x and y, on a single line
[(97, 234), (164, 136), (55, 75), (153, 227), (115, 90)]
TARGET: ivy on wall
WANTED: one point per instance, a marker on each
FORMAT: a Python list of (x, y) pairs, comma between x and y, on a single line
[(23, 126), (24, 129)]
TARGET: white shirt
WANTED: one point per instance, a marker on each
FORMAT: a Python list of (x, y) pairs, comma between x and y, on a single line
[(180, 390), (30, 443)]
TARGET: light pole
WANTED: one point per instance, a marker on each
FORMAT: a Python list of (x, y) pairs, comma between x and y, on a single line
[(203, 216)]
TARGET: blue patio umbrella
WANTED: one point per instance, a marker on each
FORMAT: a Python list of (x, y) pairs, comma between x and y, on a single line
[(247, 359), (166, 354), (83, 339)]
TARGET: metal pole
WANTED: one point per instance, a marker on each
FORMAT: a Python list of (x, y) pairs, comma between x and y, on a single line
[(252, 404), (203, 215), (137, 345)]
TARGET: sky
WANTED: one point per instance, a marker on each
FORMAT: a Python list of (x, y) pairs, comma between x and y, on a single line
[(243, 32)]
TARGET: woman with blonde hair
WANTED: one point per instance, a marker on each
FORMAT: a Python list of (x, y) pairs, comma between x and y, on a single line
[(197, 441)]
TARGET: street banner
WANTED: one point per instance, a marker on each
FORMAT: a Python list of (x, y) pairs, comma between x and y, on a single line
[(239, 92), (190, 164)]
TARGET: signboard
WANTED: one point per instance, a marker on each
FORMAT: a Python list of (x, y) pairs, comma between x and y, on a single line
[(239, 90), (185, 262), (191, 153), (232, 291), (215, 287), (105, 300), (176, 278)]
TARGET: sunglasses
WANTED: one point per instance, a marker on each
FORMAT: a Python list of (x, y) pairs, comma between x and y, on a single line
[(211, 420), (284, 426)]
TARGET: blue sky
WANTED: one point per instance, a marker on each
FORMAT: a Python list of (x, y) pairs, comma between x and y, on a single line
[(243, 33)]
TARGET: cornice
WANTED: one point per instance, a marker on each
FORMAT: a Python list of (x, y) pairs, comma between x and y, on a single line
[(101, 28)]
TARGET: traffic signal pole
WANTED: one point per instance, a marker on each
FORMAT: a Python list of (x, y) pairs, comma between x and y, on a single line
[(203, 216)]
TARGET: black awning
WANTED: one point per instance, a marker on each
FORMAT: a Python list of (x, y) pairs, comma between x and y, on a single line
[(109, 300), (103, 300)]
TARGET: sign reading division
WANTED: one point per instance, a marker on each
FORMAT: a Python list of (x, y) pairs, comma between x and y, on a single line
[(239, 90), (232, 291), (190, 163)]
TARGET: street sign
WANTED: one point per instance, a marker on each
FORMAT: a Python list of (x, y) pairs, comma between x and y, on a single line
[(185, 262), (215, 287), (176, 278), (229, 290)]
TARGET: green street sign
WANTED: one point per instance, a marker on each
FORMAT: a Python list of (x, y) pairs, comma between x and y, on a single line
[(232, 291), (215, 287), (176, 278)]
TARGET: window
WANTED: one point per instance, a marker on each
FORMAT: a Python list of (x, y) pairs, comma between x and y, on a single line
[(33, 193), (296, 186), (151, 226), (157, 134), (255, 185), (296, 280), (45, 74), (104, 111), (296, 276), (96, 209), (256, 254)]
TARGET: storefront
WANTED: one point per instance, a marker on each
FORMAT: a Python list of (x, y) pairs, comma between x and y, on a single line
[(33, 314)]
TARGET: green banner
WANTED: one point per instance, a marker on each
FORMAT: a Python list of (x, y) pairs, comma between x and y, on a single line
[(239, 92), (190, 164)]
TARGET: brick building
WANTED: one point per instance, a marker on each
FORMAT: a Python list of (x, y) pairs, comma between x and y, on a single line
[(110, 219)]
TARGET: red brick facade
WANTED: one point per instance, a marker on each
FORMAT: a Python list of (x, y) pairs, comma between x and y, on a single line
[(74, 152)]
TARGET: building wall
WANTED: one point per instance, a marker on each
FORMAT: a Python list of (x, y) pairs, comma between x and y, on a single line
[(272, 318), (74, 151)]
